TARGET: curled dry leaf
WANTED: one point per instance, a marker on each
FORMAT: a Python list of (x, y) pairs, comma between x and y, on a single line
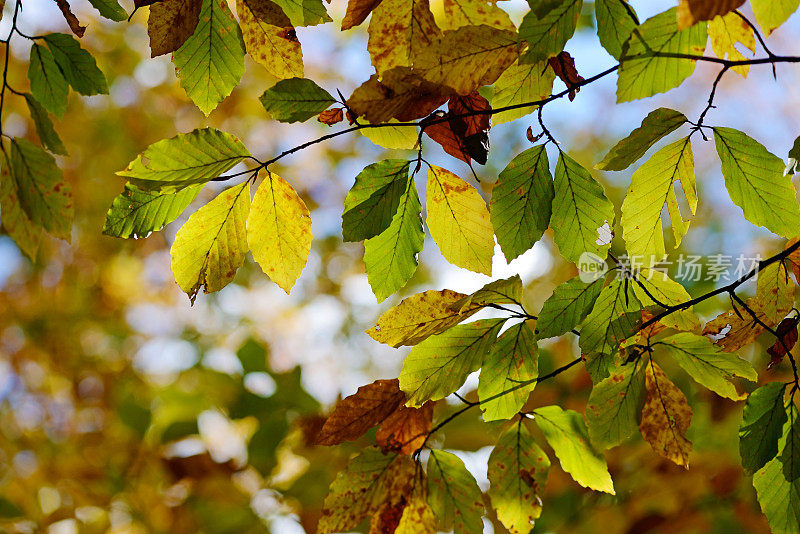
[(564, 67), (331, 116), (72, 20)]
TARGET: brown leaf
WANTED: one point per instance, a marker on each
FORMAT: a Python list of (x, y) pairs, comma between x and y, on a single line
[(472, 103), (787, 331), (405, 430), (533, 138), (331, 116), (400, 94), (72, 20), (794, 259), (359, 412), (666, 417), (357, 12), (447, 134), (142, 3), (564, 67), (690, 12), (171, 22), (736, 328)]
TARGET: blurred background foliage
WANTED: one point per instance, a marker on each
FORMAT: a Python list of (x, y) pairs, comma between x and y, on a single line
[(123, 409)]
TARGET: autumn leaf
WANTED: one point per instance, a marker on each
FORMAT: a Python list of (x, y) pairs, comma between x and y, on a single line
[(331, 116), (453, 494), (693, 11), (171, 23), (459, 221), (279, 231), (399, 93), (269, 38), (725, 32), (405, 429), (564, 67), (666, 416), (357, 12), (399, 32), (354, 415), (787, 339), (458, 13), (72, 20)]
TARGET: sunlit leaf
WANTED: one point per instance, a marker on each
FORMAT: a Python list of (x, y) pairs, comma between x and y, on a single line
[(295, 100), (171, 23), (399, 31), (520, 84), (566, 432), (211, 62), (547, 27), (725, 32), (666, 416), (210, 246), (453, 494), (44, 126), (770, 14), (186, 159), (522, 201), (691, 12), (16, 223), (269, 38), (136, 213), (654, 127), (615, 22), (643, 74), (762, 425), (567, 307), (373, 201), (439, 365), (755, 181), (614, 409), (48, 84), (77, 65), (509, 372), (458, 13), (580, 210), (459, 221), (517, 472), (304, 12)]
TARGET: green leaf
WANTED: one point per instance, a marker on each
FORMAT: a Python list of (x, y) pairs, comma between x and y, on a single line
[(110, 9), (44, 126), (459, 221), (210, 63), (779, 496), (790, 455), (775, 291), (48, 85), (43, 194), (211, 245), (772, 13), (641, 73), (668, 292), (520, 84), (547, 28), (580, 211), (505, 291), (295, 100), (567, 307), (25, 233), (522, 201), (615, 22), (136, 213), (615, 405), (390, 258), (654, 127), (755, 181), (77, 65), (508, 374), (304, 12), (453, 494), (517, 472), (279, 231), (607, 325), (762, 425), (438, 366), (566, 432), (652, 187), (373, 200), (186, 159), (706, 364)]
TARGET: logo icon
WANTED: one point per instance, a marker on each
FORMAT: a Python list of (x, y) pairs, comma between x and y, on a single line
[(591, 267)]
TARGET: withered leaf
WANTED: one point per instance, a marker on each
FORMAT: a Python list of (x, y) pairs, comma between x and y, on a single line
[(564, 67), (170, 23), (269, 38), (448, 134), (472, 103), (359, 412), (357, 12), (690, 12), (400, 94), (405, 429), (736, 328), (331, 116), (666, 417), (787, 338), (72, 20)]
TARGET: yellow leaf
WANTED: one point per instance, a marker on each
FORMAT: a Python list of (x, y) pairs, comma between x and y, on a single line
[(417, 517), (211, 246), (775, 291), (279, 231), (269, 38), (459, 221), (468, 58), (25, 233), (420, 316), (666, 417), (725, 32), (690, 12), (736, 328), (458, 13), (399, 31)]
